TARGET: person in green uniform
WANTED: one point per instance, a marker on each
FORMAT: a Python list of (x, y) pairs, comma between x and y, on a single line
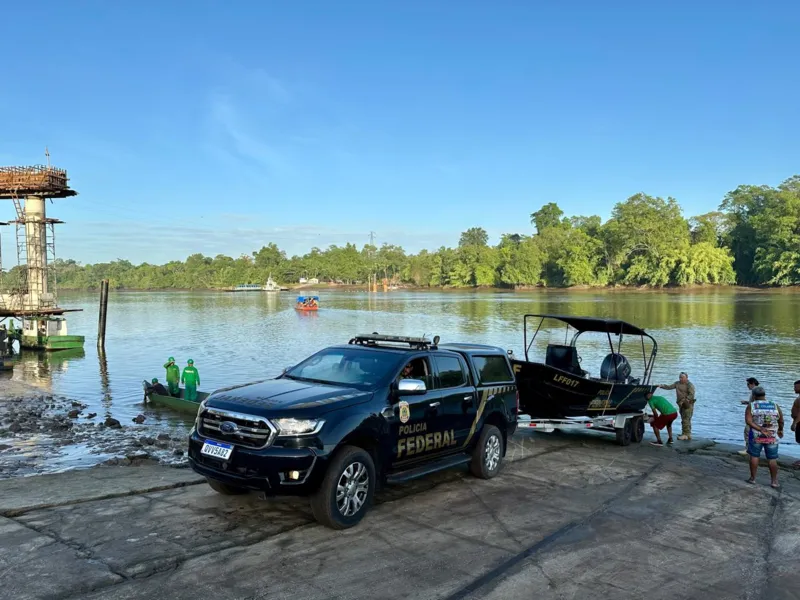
[(158, 388), (190, 380), (663, 416), (173, 377), (12, 335)]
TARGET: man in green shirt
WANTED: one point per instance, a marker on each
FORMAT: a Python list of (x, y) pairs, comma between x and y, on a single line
[(190, 380), (173, 377), (663, 416)]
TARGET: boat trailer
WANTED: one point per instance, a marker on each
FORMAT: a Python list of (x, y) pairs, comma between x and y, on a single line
[(629, 427)]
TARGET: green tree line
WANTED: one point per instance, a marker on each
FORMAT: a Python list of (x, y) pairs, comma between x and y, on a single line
[(753, 239)]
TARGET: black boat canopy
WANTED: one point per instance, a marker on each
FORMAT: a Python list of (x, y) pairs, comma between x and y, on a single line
[(599, 325), (582, 324)]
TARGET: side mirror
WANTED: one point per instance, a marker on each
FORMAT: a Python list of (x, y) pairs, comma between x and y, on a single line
[(411, 387)]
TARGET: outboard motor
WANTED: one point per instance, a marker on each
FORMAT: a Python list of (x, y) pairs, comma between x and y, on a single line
[(615, 368)]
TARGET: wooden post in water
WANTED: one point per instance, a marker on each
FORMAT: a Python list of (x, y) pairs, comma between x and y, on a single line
[(101, 326)]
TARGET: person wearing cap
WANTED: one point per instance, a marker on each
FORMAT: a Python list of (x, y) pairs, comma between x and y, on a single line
[(173, 377), (765, 420), (158, 388), (190, 379), (684, 395)]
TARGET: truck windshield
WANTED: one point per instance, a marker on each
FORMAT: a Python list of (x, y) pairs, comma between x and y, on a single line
[(354, 367)]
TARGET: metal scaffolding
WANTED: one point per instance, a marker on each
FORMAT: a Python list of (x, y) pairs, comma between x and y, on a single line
[(33, 291)]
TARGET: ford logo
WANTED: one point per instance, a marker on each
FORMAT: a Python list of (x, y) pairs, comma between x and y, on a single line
[(228, 428)]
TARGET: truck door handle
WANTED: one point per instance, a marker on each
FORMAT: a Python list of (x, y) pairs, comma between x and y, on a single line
[(468, 398), (434, 404)]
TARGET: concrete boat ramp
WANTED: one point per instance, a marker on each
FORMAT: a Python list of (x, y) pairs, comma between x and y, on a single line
[(570, 517)]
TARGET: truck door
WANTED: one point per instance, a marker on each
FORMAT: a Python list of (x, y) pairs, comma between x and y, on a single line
[(413, 420), (459, 402)]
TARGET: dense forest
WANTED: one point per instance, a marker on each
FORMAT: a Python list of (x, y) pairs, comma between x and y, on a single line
[(753, 239)]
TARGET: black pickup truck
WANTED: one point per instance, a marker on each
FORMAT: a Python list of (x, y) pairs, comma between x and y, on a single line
[(378, 409)]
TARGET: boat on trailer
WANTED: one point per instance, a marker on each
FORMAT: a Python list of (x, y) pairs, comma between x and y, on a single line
[(557, 393)]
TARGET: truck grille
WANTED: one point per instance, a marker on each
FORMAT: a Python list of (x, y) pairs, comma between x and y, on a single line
[(251, 431)]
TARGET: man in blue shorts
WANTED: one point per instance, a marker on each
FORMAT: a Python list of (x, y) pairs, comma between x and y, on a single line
[(765, 420)]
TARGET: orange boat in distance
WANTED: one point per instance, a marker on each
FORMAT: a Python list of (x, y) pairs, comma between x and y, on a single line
[(307, 303)]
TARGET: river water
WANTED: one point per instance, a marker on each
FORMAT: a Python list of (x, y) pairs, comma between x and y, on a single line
[(720, 337)]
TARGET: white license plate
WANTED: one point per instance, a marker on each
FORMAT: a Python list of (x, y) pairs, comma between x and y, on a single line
[(217, 450)]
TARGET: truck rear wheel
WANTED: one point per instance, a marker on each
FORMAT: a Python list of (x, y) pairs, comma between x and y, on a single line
[(224, 488), (487, 457), (346, 491)]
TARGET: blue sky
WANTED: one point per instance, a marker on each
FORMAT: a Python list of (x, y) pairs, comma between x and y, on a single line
[(218, 127)]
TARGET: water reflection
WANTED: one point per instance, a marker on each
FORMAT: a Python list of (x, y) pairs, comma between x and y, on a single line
[(105, 384), (43, 368), (719, 336)]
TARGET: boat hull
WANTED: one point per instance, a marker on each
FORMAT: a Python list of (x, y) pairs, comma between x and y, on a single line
[(306, 309), (549, 393), (52, 342), (179, 404)]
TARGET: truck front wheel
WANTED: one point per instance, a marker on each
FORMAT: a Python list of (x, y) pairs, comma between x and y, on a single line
[(347, 489), (487, 457)]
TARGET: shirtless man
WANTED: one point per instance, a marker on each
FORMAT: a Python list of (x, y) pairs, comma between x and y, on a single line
[(796, 418)]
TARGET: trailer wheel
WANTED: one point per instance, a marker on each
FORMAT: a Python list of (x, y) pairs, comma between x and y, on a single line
[(625, 434), (638, 429)]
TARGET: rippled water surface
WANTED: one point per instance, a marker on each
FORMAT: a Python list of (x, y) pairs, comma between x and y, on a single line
[(720, 337)]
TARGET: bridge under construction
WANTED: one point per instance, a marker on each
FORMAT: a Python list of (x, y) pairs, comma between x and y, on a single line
[(29, 291)]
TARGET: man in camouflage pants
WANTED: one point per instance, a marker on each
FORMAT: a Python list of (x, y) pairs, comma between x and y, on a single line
[(684, 395)]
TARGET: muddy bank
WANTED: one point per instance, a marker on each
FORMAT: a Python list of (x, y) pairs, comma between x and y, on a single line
[(41, 432), (45, 433)]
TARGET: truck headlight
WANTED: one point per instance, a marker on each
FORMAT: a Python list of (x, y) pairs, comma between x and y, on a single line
[(200, 409), (290, 427)]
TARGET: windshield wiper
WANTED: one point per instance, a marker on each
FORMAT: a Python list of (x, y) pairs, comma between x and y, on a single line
[(323, 381), (306, 379)]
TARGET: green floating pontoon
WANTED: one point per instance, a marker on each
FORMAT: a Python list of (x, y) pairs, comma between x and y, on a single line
[(177, 403), (48, 333)]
